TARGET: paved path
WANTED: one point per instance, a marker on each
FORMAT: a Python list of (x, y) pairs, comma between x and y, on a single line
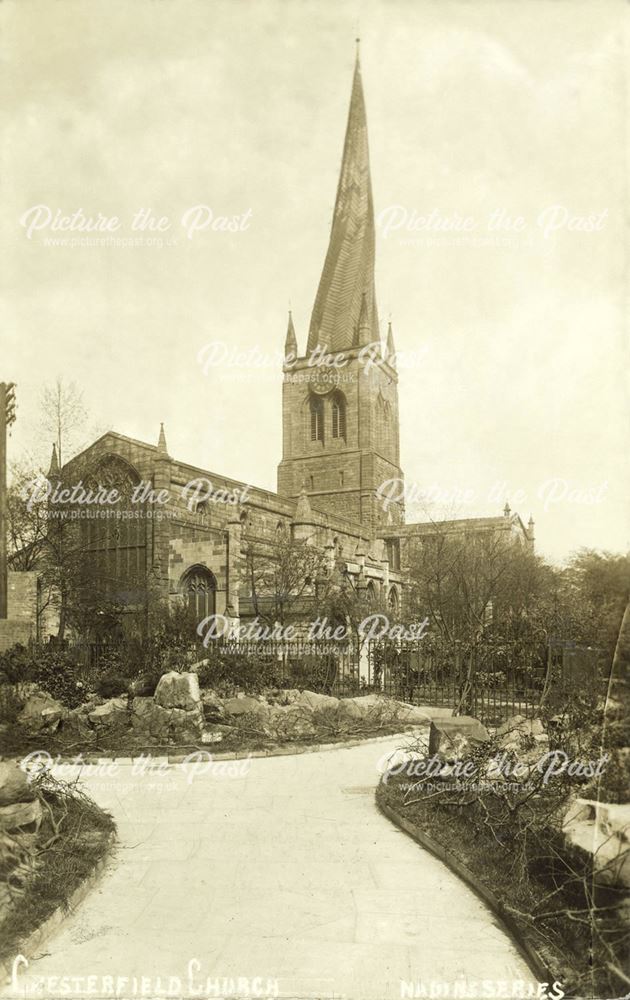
[(288, 873)]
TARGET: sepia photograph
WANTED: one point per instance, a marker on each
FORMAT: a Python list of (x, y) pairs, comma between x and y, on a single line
[(314, 500)]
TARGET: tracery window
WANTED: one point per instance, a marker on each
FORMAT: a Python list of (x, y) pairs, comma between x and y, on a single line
[(114, 536), (199, 586)]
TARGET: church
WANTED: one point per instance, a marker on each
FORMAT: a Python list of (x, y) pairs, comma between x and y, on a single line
[(340, 444)]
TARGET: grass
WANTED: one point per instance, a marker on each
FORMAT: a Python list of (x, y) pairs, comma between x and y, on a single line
[(74, 836)]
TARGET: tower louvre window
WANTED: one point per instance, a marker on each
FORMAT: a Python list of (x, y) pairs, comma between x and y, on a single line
[(317, 420), (339, 417)]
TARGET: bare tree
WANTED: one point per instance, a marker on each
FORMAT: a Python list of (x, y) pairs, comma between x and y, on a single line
[(281, 579), (63, 417), (478, 590)]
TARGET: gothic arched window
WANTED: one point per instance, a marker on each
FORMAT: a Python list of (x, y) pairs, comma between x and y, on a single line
[(338, 416), (317, 419), (114, 537), (199, 587)]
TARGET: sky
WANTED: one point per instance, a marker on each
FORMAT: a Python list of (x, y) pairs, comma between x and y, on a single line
[(500, 124)]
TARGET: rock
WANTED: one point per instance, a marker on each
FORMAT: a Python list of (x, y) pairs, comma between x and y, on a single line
[(282, 696), (185, 726), (14, 784), (109, 713), (20, 816), (241, 706), (176, 725), (178, 691), (149, 718), (209, 737), (288, 696), (422, 714), (519, 735), (316, 702), (457, 737), (212, 705), (602, 830), (75, 725), (290, 722), (365, 705), (32, 715), (512, 723)]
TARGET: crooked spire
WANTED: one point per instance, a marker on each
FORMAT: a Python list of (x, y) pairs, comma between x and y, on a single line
[(348, 273), (391, 350)]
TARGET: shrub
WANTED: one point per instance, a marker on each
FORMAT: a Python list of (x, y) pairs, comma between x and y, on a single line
[(112, 685), (229, 672), (16, 664), (55, 672), (144, 685), (11, 703)]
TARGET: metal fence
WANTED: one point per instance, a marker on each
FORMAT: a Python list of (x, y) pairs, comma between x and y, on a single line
[(491, 682), (325, 667)]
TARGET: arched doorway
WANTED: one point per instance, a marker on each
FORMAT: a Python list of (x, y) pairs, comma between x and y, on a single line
[(199, 587)]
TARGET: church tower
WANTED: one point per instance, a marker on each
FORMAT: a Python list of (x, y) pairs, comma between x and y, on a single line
[(340, 438)]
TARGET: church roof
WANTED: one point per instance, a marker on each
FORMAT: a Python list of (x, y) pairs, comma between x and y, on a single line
[(348, 271)]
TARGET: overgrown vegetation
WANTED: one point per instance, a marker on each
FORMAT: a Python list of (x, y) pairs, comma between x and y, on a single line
[(42, 871), (507, 832)]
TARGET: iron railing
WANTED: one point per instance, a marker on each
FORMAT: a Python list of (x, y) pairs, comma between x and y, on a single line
[(489, 681)]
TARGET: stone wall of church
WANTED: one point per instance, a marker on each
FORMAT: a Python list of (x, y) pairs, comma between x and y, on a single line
[(22, 596), (14, 630), (21, 622), (341, 475), (206, 530), (210, 552)]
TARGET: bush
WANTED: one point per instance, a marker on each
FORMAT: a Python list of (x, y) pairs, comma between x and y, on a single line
[(16, 664), (230, 672), (112, 685), (74, 837), (509, 834), (144, 685), (11, 704), (172, 639), (15, 669), (55, 672)]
